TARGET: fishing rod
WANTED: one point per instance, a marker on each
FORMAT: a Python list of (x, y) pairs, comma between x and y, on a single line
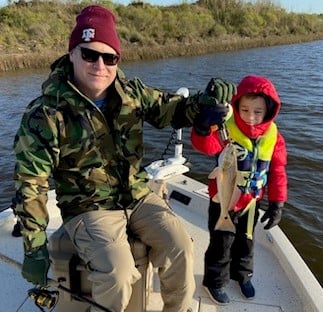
[(46, 298)]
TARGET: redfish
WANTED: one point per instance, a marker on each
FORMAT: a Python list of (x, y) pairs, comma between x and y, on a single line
[(227, 177)]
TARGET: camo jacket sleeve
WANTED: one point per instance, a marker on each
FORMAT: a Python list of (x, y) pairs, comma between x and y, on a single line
[(36, 152), (163, 109)]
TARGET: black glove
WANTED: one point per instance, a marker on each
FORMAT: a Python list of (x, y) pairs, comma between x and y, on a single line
[(273, 214), (212, 104), (221, 90), (36, 265), (209, 115)]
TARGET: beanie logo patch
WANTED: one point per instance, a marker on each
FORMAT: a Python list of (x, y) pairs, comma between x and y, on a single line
[(88, 34)]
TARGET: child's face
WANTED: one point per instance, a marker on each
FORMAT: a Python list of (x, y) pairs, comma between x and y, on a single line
[(252, 110)]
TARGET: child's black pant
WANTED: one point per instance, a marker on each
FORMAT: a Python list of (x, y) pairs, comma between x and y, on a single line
[(228, 255)]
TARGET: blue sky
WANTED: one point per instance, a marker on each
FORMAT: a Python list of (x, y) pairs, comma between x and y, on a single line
[(303, 6)]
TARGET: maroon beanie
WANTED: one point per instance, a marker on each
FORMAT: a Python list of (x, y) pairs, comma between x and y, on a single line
[(95, 23)]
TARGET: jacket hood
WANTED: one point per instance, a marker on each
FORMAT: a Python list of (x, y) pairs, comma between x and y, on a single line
[(262, 86)]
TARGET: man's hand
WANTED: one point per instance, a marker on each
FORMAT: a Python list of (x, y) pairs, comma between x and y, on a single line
[(213, 103), (221, 90), (36, 265)]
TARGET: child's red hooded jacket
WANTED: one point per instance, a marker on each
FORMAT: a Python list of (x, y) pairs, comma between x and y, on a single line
[(211, 144)]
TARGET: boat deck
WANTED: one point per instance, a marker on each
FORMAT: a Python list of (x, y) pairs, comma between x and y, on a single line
[(277, 285)]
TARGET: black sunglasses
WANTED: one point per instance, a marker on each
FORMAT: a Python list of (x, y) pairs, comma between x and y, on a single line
[(92, 56)]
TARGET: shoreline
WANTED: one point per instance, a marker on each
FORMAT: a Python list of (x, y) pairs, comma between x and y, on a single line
[(35, 60)]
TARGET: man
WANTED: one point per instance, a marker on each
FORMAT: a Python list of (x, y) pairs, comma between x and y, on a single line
[(85, 131)]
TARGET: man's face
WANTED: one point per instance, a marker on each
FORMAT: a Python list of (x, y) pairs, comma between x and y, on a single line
[(92, 77)]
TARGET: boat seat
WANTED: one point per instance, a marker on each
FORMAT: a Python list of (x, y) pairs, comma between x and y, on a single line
[(68, 268)]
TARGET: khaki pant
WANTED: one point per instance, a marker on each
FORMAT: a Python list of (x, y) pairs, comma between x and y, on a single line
[(101, 240)]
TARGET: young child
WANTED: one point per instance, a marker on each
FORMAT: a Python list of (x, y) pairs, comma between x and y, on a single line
[(261, 159)]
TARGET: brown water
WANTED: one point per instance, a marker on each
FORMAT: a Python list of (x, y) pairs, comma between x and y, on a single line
[(297, 72)]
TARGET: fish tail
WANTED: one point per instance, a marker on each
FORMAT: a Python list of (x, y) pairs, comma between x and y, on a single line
[(225, 223)]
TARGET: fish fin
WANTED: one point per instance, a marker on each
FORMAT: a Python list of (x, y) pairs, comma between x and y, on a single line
[(214, 173), (235, 198), (215, 198)]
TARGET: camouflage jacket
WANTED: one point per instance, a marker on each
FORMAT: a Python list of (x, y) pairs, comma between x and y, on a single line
[(94, 155)]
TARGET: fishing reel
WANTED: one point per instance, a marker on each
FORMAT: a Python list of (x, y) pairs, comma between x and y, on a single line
[(43, 297)]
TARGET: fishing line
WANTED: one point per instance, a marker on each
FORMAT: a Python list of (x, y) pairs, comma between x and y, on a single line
[(22, 304)]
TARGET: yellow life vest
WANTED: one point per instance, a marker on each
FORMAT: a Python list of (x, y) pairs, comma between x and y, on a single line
[(253, 156)]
